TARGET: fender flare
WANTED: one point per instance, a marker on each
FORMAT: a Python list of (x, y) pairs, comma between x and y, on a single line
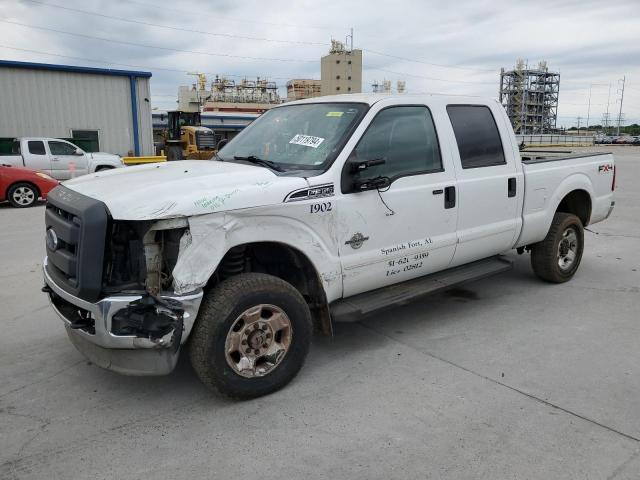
[(575, 181)]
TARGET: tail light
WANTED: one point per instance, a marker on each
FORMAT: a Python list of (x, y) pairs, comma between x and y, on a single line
[(613, 182)]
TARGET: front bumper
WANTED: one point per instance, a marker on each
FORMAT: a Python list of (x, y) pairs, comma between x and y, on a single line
[(130, 355)]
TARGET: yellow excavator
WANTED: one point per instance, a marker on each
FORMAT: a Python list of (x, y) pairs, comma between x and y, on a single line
[(186, 138)]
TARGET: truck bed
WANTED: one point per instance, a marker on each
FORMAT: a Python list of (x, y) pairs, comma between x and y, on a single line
[(550, 175)]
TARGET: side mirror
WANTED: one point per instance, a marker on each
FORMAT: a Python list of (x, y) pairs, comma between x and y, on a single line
[(355, 166), (78, 151), (353, 173), (360, 184), (371, 184)]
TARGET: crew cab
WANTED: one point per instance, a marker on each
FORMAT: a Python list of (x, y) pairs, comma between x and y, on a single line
[(58, 158), (321, 210)]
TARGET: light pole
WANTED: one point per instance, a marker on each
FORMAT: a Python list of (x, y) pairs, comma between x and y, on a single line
[(589, 104), (621, 99), (589, 109)]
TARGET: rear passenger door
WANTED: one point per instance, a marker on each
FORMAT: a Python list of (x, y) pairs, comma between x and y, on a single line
[(489, 183), (35, 156), (65, 163)]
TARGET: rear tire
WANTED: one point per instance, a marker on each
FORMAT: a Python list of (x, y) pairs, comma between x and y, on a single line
[(557, 258), (23, 195), (251, 336)]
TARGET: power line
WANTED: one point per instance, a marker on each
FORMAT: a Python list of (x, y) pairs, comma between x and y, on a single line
[(128, 65), (429, 78), (414, 60), (123, 42), (583, 104), (229, 35), (195, 52), (232, 19), (169, 27)]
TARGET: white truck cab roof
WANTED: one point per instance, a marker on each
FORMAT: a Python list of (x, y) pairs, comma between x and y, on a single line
[(372, 98)]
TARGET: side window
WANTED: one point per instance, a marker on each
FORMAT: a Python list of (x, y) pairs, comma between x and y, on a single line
[(61, 148), (36, 147), (405, 138), (477, 136)]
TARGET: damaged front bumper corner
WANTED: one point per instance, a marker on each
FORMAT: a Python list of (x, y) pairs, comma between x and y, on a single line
[(91, 327)]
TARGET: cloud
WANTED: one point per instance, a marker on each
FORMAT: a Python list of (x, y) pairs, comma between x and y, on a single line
[(589, 42)]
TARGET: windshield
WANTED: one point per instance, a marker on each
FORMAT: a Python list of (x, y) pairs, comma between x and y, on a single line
[(307, 136)]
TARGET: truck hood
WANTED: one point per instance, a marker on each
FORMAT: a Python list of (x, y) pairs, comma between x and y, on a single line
[(184, 188)]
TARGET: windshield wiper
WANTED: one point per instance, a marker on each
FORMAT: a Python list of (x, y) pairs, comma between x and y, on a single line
[(260, 161)]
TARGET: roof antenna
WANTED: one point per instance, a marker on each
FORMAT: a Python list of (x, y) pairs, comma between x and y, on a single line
[(349, 40)]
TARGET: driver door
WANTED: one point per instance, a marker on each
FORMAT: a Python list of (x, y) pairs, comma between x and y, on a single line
[(405, 230), (65, 163)]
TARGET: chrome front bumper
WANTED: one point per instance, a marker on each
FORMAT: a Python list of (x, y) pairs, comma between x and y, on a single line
[(129, 355)]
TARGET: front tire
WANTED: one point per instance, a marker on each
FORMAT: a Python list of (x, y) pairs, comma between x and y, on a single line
[(557, 258), (23, 195), (251, 336)]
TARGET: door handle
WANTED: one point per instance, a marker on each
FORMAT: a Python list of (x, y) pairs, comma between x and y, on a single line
[(449, 197), (54, 159), (439, 191), (511, 187)]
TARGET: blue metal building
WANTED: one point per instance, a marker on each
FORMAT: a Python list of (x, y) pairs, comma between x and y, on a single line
[(110, 109)]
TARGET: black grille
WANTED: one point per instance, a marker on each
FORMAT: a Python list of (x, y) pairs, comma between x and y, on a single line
[(205, 140), (75, 257)]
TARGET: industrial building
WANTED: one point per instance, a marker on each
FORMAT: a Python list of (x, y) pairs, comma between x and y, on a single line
[(385, 86), (226, 95), (98, 109), (530, 97), (341, 70), (300, 88)]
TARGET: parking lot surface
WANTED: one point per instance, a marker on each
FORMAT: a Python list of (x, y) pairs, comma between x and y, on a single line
[(507, 377)]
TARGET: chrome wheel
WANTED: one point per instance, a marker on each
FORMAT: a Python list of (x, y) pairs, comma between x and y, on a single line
[(567, 249), (23, 196), (258, 340)]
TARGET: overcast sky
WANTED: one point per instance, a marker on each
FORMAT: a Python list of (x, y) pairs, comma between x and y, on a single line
[(455, 46)]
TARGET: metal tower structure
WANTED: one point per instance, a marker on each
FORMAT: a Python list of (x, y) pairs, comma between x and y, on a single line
[(530, 97)]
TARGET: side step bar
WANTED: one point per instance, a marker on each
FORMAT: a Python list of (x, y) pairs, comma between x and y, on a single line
[(351, 308)]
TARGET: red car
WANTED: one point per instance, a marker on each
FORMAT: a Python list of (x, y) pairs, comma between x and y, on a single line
[(22, 187)]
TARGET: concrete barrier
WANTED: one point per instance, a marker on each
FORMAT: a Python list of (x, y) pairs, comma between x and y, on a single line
[(141, 160)]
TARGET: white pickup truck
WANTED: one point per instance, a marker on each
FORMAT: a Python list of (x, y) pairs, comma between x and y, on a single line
[(58, 158), (321, 210)]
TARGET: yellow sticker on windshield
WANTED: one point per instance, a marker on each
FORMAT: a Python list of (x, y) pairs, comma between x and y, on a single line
[(334, 114)]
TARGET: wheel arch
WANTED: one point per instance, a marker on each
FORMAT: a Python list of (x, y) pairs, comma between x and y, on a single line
[(284, 261), (579, 203), (574, 195)]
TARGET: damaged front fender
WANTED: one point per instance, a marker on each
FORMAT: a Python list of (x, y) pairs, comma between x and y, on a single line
[(210, 237)]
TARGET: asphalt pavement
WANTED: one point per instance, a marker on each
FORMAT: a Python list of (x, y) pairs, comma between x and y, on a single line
[(507, 377)]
